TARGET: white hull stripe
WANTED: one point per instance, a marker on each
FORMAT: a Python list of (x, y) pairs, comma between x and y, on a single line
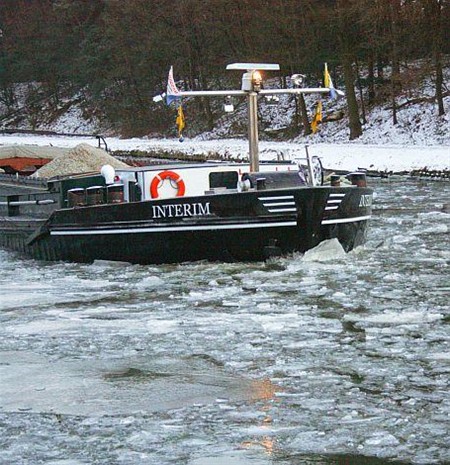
[(85, 232), (280, 210), (279, 197), (347, 220), (278, 204), (333, 203)]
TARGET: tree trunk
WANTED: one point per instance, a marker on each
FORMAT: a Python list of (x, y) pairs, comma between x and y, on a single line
[(304, 115), (346, 47), (371, 80), (353, 111), (394, 104), (380, 69), (437, 45), (361, 96), (439, 83), (208, 113), (395, 73)]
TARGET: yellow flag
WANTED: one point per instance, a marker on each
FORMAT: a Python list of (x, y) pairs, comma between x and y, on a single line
[(180, 121), (317, 118)]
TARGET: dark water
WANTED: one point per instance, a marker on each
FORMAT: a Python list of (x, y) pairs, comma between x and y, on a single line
[(323, 359)]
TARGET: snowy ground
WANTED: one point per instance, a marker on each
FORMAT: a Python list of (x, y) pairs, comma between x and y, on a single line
[(421, 137), (348, 156)]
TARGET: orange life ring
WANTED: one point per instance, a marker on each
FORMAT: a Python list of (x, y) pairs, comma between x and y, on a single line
[(167, 175)]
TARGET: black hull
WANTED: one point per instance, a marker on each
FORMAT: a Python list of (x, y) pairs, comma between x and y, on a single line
[(248, 226)]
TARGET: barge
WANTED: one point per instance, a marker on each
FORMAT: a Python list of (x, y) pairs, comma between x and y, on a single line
[(182, 213), (187, 212)]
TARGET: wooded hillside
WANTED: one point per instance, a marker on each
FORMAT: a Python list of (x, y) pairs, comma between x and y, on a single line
[(112, 56)]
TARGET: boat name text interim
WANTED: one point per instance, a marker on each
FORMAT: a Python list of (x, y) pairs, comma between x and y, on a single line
[(181, 210)]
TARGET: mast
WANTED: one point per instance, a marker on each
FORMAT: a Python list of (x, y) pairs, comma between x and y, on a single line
[(251, 89), (253, 142)]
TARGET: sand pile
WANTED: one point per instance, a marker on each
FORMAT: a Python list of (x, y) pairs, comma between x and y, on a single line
[(81, 159)]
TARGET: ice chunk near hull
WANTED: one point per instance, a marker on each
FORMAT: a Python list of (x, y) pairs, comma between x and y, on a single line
[(328, 250)]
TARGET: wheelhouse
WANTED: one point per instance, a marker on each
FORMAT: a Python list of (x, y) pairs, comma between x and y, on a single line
[(160, 182)]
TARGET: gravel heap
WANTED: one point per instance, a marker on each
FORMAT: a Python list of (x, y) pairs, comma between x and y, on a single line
[(81, 159)]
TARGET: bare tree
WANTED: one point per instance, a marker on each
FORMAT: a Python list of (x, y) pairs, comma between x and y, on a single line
[(433, 17), (345, 13)]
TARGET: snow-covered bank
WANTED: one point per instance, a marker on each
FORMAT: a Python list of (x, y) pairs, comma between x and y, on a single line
[(348, 156)]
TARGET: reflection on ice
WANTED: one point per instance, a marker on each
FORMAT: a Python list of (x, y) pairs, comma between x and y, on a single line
[(118, 387)]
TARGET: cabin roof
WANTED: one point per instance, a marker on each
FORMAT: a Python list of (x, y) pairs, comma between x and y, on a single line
[(177, 166), (170, 166)]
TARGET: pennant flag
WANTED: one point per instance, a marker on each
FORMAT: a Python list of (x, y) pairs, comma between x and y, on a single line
[(172, 91), (317, 118), (329, 83), (180, 122)]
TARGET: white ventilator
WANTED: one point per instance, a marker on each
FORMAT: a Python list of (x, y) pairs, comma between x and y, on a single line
[(109, 173)]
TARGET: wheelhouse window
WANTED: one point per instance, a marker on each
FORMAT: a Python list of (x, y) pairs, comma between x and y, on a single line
[(226, 179)]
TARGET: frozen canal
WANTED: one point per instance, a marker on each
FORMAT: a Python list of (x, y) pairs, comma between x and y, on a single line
[(322, 359)]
